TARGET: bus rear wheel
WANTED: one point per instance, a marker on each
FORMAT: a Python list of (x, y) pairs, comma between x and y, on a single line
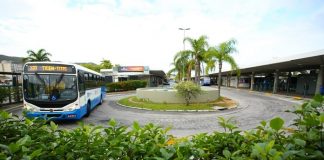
[(88, 110)]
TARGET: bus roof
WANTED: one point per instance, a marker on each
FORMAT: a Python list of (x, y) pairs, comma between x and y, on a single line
[(79, 67)]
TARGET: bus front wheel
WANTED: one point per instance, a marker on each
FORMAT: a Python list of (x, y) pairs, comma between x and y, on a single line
[(101, 100), (88, 110)]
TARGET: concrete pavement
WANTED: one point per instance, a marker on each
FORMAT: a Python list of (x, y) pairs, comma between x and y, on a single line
[(253, 108)]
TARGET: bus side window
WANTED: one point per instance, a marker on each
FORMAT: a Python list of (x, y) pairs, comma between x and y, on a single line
[(97, 81), (87, 80), (81, 83)]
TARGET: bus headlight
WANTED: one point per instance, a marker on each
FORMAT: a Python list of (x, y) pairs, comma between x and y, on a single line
[(29, 108), (72, 107)]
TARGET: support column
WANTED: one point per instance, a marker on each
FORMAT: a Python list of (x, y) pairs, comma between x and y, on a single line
[(275, 83), (288, 82), (226, 79), (319, 81), (252, 81)]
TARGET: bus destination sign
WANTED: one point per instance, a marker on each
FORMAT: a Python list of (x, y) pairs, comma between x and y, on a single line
[(50, 68)]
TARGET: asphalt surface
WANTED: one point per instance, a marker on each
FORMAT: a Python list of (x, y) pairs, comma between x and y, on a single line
[(253, 108)]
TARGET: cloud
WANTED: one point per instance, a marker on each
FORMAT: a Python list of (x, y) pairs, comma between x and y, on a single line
[(142, 32)]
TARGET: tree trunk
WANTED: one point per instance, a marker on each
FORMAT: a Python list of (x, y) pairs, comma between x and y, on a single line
[(197, 72), (219, 77), (189, 73)]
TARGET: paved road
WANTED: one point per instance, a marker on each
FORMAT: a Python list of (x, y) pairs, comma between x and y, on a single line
[(253, 108)]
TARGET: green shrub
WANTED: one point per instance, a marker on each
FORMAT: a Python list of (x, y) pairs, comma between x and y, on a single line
[(188, 90), (126, 85), (36, 139), (17, 93), (4, 94)]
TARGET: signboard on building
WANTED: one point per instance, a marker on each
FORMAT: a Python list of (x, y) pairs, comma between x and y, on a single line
[(131, 69)]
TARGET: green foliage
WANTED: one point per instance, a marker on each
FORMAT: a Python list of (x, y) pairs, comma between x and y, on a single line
[(15, 93), (126, 85), (105, 64), (198, 53), (133, 101), (4, 94), (188, 90), (227, 124), (276, 123), (36, 139), (40, 55), (92, 66)]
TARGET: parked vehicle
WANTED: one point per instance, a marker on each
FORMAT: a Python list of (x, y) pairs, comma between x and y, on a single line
[(205, 81)]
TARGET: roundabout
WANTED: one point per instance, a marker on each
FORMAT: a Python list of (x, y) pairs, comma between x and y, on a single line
[(252, 109)]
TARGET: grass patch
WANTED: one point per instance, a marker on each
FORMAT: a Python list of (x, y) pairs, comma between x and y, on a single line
[(133, 101)]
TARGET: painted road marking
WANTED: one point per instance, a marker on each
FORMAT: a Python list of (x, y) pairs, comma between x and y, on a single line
[(297, 98)]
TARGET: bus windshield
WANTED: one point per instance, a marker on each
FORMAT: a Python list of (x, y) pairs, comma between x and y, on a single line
[(50, 87)]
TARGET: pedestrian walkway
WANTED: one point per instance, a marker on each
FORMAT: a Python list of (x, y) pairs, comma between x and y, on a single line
[(291, 97)]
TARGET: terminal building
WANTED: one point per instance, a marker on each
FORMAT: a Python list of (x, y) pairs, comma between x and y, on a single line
[(154, 78), (300, 74), (10, 73)]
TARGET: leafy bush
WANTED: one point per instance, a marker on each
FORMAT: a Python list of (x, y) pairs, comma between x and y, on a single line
[(35, 139), (4, 94), (126, 85), (17, 93), (188, 90)]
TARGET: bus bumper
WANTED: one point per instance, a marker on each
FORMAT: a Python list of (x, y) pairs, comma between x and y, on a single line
[(70, 115)]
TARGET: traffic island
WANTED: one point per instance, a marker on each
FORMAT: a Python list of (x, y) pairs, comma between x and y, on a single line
[(222, 103), (170, 95)]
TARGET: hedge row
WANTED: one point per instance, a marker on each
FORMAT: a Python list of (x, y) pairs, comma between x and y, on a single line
[(32, 139), (126, 85), (15, 93)]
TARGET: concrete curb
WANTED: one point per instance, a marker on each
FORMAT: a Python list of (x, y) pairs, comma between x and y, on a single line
[(231, 108), (12, 108)]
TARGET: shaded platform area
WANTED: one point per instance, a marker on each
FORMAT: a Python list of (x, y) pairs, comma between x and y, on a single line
[(301, 74)]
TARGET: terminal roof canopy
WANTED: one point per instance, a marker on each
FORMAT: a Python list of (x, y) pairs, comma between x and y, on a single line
[(310, 60), (158, 73)]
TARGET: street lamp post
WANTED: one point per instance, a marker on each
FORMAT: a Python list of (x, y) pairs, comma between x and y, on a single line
[(184, 47)]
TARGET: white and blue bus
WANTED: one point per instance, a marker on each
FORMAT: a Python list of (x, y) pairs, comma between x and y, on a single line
[(61, 91)]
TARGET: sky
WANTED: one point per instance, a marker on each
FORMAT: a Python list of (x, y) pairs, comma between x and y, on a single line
[(146, 32)]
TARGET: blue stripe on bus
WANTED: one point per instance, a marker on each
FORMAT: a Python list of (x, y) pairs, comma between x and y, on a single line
[(79, 113)]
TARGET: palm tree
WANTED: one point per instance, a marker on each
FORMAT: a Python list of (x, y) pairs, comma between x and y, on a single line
[(179, 65), (221, 54), (199, 49), (40, 55), (185, 63), (106, 64), (210, 64)]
